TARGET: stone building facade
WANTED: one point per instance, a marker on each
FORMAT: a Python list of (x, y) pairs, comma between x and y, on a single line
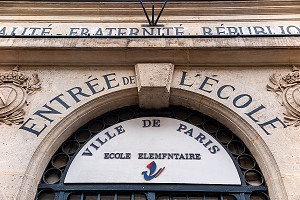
[(63, 63)]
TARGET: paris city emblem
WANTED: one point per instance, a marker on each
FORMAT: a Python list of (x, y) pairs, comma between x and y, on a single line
[(14, 90), (287, 88)]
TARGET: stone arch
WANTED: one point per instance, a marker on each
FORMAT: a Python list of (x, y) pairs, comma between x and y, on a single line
[(242, 129), (127, 97), (63, 129)]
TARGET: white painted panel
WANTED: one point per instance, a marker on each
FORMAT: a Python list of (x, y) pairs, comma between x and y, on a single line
[(174, 137)]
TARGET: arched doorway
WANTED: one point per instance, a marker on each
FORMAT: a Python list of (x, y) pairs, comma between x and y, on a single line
[(252, 184)]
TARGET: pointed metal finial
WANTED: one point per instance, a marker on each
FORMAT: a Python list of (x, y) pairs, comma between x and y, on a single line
[(153, 22)]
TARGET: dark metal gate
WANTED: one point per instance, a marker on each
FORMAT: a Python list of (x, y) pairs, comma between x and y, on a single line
[(52, 185)]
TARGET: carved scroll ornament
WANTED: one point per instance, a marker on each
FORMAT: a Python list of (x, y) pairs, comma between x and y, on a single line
[(14, 90), (287, 88)]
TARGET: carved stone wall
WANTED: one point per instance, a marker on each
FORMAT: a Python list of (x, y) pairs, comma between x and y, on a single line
[(64, 82), (287, 89), (65, 103), (14, 88)]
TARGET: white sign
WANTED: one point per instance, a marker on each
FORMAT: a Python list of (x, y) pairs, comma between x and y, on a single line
[(153, 150)]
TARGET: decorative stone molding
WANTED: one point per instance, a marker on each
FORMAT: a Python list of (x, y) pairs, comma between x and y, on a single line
[(249, 135), (14, 90), (154, 83), (287, 88), (65, 127)]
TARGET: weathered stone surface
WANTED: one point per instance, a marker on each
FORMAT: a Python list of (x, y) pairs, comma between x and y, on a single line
[(154, 82), (20, 167), (277, 153), (237, 52), (245, 63), (24, 156)]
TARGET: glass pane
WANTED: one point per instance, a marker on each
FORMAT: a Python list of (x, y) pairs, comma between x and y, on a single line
[(246, 162), (225, 136), (123, 197), (181, 114), (126, 114), (74, 197), (139, 197), (212, 198), (236, 147), (229, 198), (96, 126), (46, 195), (254, 178), (179, 198), (259, 196), (70, 147), (196, 197), (107, 197), (163, 198), (82, 136), (196, 119), (211, 127), (111, 119), (52, 176), (91, 197), (60, 161)]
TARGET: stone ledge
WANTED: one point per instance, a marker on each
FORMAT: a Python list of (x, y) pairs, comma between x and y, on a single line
[(229, 57), (170, 43)]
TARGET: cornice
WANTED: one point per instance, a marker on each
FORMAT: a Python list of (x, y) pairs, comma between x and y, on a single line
[(258, 52), (133, 9)]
